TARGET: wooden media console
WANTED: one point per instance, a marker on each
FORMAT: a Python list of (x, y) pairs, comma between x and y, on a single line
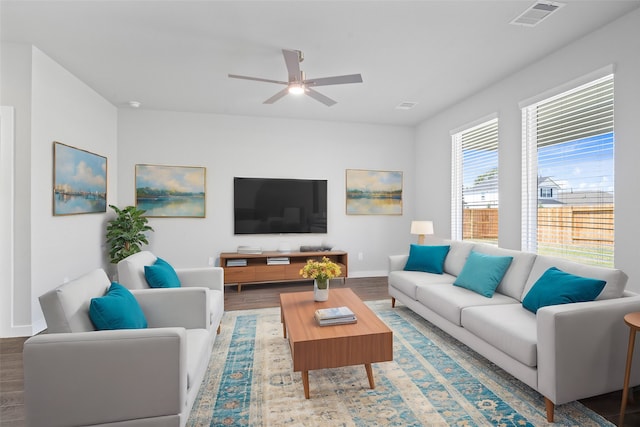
[(258, 270)]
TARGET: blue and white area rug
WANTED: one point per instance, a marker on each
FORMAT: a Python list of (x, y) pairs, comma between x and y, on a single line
[(433, 381)]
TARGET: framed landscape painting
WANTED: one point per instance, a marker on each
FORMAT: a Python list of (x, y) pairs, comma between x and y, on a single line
[(371, 192), (79, 181), (171, 191)]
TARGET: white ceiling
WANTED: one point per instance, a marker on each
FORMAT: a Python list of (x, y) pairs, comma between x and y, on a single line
[(175, 55)]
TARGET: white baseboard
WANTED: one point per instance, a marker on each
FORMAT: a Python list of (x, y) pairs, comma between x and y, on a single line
[(17, 331), (358, 274)]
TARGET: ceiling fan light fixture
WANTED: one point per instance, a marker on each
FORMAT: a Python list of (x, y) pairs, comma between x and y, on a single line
[(298, 84), (296, 89)]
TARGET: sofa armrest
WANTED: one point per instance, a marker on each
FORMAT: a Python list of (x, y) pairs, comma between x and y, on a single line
[(188, 308), (397, 262), (87, 378), (582, 348), (208, 277)]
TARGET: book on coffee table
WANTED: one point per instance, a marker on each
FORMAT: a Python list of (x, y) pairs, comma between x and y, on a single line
[(335, 316), (334, 313), (338, 321)]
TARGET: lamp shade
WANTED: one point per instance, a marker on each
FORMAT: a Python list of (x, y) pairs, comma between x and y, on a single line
[(421, 227)]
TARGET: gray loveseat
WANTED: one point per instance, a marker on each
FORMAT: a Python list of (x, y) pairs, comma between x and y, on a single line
[(75, 375), (566, 352)]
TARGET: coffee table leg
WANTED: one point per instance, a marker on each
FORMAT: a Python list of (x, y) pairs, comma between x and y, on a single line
[(305, 383), (284, 325), (367, 366)]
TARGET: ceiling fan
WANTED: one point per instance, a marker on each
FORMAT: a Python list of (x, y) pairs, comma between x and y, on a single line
[(297, 82)]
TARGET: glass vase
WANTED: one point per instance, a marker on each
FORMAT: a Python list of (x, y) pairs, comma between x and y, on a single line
[(320, 289)]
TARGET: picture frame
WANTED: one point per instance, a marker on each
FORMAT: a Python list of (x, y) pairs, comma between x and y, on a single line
[(373, 192), (171, 191), (79, 181)]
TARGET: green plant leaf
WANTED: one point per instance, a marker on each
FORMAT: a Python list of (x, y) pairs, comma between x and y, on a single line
[(126, 232)]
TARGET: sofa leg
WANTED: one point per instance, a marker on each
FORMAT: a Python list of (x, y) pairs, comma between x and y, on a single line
[(393, 302), (550, 408)]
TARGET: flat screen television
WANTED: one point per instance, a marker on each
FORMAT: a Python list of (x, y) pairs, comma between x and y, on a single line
[(277, 205)]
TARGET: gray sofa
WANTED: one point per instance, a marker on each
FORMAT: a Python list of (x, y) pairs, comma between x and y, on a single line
[(566, 352), (75, 375)]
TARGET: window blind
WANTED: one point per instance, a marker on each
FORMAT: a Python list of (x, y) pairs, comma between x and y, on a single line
[(475, 183), (568, 174), (456, 186)]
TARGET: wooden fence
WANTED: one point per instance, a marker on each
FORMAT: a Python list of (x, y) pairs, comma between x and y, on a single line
[(565, 225), (480, 224)]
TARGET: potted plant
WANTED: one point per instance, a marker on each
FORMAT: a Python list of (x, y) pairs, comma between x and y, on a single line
[(125, 233)]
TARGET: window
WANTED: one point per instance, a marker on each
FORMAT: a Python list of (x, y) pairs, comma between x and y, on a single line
[(568, 185), (546, 193), (474, 210)]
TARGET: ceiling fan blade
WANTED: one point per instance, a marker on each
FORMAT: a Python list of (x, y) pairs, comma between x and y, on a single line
[(277, 96), (292, 60), (257, 79), (336, 80), (320, 97)]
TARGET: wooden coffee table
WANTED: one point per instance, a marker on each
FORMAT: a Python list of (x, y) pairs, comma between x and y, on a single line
[(318, 347)]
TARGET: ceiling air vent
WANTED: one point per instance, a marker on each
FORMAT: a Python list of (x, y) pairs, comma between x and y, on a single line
[(406, 105), (537, 13)]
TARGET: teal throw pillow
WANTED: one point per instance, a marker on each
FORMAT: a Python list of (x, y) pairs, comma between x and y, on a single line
[(161, 275), (482, 273), (117, 309), (558, 287), (429, 259)]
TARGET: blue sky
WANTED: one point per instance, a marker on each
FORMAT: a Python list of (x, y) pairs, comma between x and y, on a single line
[(585, 164), (183, 179), (374, 180), (80, 170)]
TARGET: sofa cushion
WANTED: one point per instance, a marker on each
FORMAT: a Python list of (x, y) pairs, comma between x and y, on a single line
[(408, 281), (429, 259), (131, 270), (457, 256), (449, 301), (515, 278), (557, 287), (118, 309), (161, 275), (66, 308), (616, 279), (508, 327), (482, 273)]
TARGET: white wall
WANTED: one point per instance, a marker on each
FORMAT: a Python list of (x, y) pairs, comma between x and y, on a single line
[(51, 249), (231, 146), (618, 44), (15, 92), (68, 111), (7, 146)]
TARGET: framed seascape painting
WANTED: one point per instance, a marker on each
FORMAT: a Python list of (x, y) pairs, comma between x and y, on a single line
[(372, 192), (79, 181), (171, 191)]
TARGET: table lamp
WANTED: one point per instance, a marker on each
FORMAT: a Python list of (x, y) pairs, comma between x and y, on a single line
[(421, 228)]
